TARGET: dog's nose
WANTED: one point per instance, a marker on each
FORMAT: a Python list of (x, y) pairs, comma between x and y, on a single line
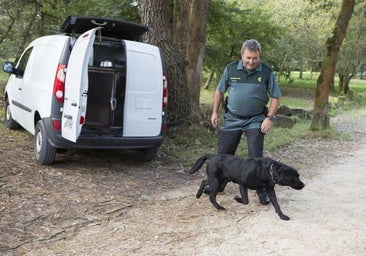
[(299, 185)]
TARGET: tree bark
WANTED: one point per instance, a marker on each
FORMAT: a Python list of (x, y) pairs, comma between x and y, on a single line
[(158, 15), (196, 49), (190, 36), (321, 104)]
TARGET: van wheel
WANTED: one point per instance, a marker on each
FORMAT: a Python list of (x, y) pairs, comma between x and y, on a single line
[(45, 153), (10, 123), (147, 154)]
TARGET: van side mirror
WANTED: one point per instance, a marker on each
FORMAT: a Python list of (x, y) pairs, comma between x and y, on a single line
[(8, 67)]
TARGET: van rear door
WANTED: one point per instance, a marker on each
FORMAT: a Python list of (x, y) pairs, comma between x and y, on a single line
[(76, 86), (144, 90)]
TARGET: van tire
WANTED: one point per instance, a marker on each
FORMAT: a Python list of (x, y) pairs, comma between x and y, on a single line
[(147, 154), (10, 123), (45, 154)]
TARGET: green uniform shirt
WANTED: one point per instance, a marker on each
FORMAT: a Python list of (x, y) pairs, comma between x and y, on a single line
[(248, 90)]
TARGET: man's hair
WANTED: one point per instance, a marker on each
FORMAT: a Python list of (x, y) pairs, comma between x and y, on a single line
[(252, 45)]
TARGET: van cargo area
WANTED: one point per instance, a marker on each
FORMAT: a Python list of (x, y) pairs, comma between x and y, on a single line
[(106, 92)]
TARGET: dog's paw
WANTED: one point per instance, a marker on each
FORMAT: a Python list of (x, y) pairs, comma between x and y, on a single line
[(220, 208), (284, 217), (241, 200)]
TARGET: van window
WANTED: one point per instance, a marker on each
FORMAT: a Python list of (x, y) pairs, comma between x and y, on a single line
[(22, 64)]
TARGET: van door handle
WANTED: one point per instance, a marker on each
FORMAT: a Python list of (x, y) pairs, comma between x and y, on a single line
[(74, 104), (68, 116), (113, 103)]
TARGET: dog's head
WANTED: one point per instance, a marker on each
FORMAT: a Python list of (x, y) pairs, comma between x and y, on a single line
[(287, 176)]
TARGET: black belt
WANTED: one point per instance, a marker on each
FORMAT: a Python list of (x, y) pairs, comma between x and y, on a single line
[(239, 116)]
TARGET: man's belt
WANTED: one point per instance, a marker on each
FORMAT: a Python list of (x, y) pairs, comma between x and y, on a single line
[(241, 117)]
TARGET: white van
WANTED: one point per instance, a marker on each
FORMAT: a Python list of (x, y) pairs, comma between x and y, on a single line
[(94, 86)]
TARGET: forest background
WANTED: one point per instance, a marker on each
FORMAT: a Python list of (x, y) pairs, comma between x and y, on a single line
[(199, 38)]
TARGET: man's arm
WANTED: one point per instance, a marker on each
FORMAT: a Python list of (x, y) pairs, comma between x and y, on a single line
[(273, 107), (217, 99)]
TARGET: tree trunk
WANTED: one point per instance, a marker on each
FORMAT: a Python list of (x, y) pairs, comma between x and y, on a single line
[(341, 84), (209, 79), (190, 35), (158, 15), (321, 104), (196, 49)]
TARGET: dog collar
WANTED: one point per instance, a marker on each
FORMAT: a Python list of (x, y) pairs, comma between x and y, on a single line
[(271, 173)]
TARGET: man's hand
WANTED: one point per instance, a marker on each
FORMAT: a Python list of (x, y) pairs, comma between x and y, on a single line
[(215, 119), (266, 125)]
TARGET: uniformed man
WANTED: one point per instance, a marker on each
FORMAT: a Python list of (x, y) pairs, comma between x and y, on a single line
[(250, 84)]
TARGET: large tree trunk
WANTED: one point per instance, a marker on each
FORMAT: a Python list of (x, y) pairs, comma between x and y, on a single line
[(334, 42), (196, 49), (190, 35), (157, 14)]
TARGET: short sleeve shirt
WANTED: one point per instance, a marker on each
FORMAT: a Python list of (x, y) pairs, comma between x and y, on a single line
[(249, 90)]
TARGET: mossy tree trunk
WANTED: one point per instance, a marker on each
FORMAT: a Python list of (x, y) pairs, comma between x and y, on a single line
[(321, 104), (158, 15)]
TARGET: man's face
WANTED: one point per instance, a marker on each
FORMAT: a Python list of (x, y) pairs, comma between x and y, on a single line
[(250, 59)]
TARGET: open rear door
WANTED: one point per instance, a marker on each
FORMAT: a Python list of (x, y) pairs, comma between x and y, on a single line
[(144, 90), (76, 86)]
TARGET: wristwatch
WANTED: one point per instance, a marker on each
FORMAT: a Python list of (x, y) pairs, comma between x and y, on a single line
[(271, 118)]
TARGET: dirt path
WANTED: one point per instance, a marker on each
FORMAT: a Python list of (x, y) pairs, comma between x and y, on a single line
[(327, 218), (114, 207)]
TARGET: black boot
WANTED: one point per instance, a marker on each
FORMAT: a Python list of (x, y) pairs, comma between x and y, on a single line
[(263, 197)]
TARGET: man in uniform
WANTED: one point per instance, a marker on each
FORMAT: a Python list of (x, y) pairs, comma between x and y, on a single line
[(250, 83)]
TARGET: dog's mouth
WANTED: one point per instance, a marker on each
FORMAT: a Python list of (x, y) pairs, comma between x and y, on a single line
[(299, 186)]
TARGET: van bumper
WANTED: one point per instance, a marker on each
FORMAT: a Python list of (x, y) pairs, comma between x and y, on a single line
[(104, 141)]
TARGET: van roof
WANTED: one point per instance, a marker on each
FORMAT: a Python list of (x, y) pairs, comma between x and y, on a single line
[(111, 27)]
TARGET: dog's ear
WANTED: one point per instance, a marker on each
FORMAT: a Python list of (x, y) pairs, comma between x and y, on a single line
[(278, 170)]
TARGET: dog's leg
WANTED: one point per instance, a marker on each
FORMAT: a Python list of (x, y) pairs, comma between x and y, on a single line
[(214, 202), (204, 183), (272, 196), (244, 195), (215, 185), (223, 184)]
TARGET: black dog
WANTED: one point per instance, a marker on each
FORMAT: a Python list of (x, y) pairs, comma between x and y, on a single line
[(253, 173)]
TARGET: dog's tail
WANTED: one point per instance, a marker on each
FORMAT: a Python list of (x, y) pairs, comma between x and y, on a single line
[(200, 162)]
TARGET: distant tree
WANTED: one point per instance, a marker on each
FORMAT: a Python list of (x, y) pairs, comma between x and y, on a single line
[(353, 51), (230, 23), (321, 104), (22, 21)]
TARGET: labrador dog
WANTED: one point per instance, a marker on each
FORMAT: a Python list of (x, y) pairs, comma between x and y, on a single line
[(252, 173)]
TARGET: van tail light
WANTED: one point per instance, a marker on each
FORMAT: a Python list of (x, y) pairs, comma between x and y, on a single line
[(165, 103), (59, 83), (165, 92), (82, 120), (56, 123)]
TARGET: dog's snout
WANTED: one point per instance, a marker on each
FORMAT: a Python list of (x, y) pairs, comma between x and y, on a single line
[(299, 185)]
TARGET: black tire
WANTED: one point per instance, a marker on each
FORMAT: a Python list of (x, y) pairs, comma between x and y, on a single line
[(45, 154), (9, 122), (147, 154)]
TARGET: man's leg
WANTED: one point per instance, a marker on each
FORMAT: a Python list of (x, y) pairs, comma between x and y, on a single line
[(255, 141), (228, 142)]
